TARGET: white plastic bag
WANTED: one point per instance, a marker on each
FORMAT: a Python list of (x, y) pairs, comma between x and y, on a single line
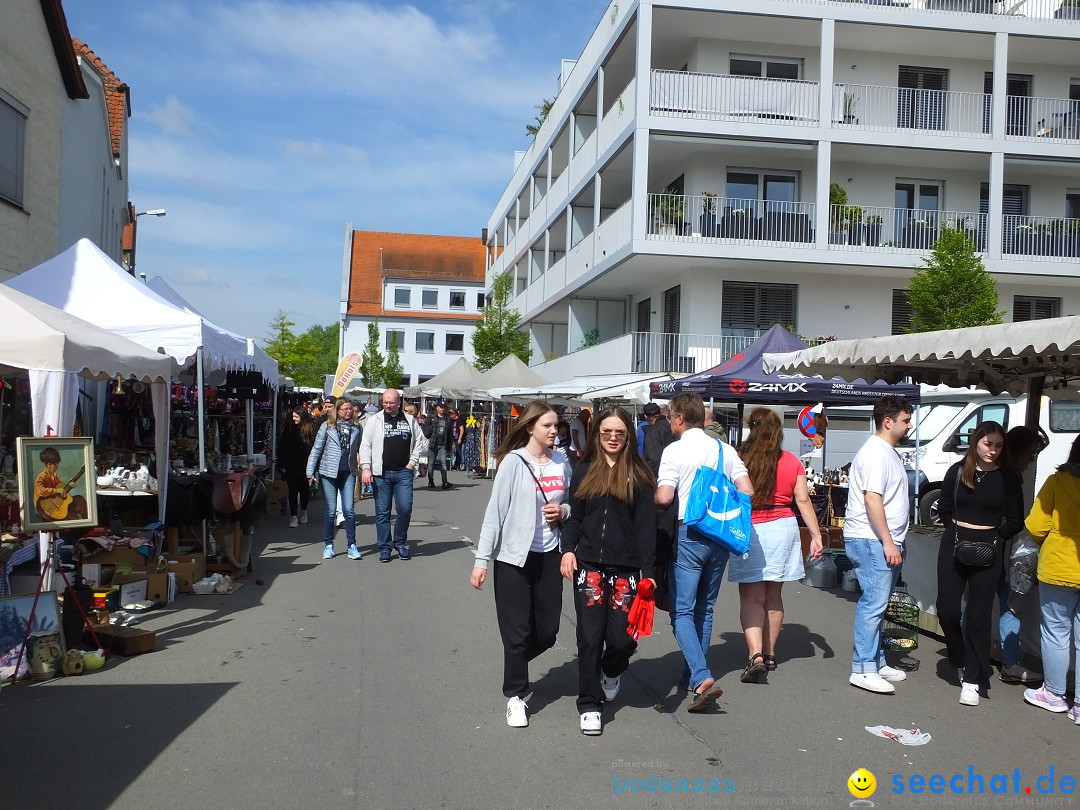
[(1023, 563)]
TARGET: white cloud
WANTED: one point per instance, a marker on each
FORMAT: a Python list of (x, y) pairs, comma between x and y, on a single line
[(303, 149), (172, 117), (197, 277)]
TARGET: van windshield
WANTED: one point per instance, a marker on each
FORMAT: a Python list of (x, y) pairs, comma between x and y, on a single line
[(931, 418)]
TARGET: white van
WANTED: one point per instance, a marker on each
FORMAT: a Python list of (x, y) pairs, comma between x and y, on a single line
[(946, 419)]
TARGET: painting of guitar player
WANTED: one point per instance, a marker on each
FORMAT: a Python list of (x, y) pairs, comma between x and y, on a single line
[(56, 483)]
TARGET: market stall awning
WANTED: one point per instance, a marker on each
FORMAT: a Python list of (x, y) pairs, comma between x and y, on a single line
[(631, 388), (456, 382), (999, 358), (743, 378), (509, 372)]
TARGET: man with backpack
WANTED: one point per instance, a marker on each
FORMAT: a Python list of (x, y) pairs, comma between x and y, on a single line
[(698, 565)]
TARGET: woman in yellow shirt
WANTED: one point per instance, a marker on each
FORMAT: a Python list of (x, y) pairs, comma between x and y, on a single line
[(1054, 523)]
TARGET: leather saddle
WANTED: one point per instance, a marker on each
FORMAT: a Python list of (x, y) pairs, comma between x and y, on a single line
[(232, 492)]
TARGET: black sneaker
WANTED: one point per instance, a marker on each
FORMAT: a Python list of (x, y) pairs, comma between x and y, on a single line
[(447, 485)]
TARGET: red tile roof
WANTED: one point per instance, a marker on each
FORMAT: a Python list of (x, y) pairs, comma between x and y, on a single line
[(377, 255), (116, 94)]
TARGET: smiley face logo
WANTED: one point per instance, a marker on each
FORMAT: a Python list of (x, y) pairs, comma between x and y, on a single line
[(862, 784)]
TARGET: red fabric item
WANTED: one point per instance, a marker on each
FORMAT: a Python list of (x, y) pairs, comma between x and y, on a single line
[(641, 612)]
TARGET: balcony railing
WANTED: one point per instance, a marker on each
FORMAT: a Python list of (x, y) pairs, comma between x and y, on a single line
[(733, 98), (1033, 117), (944, 112), (1024, 9), (689, 354), (703, 217), (855, 227), (1040, 237)]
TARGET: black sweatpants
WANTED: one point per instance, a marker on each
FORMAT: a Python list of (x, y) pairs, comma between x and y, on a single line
[(528, 605), (299, 489), (973, 651), (603, 595)]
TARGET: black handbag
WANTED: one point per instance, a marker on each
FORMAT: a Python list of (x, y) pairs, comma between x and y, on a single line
[(971, 550)]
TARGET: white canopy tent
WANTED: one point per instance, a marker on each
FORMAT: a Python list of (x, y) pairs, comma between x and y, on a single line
[(509, 372), (629, 388), (85, 282), (456, 382)]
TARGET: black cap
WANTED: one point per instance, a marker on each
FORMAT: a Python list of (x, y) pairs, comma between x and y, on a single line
[(651, 409)]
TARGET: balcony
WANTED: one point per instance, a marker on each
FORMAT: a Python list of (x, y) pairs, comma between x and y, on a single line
[(892, 109), (1040, 237), (706, 217), (656, 352), (1023, 9), (899, 230), (733, 98)]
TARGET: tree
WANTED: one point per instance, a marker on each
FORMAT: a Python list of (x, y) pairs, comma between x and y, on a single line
[(392, 370), (371, 372), (952, 289), (498, 332), (280, 337), (307, 358), (545, 110)]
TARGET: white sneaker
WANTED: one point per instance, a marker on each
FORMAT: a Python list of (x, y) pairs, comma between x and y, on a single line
[(293, 522), (871, 682), (303, 515), (516, 713), (892, 674), (969, 694), (610, 686), (591, 724)]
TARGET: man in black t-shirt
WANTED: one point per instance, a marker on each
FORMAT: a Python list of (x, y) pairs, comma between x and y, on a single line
[(440, 436)]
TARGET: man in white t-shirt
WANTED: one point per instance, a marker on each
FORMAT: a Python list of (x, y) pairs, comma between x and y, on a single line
[(697, 569), (875, 525)]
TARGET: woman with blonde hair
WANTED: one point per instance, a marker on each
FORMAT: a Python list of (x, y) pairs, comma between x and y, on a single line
[(334, 457), (520, 534), (775, 554), (609, 546)]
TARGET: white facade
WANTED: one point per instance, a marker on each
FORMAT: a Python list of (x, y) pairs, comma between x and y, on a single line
[(432, 321), (93, 182), (676, 202)]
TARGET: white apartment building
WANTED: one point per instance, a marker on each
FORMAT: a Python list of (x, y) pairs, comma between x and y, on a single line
[(425, 292), (688, 187)]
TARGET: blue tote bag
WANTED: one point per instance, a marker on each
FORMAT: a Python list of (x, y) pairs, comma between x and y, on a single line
[(716, 509)]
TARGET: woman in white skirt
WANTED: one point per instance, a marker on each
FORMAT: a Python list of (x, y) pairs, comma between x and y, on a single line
[(775, 554)]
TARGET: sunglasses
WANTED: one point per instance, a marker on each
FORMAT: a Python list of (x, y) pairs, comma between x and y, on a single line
[(612, 434)]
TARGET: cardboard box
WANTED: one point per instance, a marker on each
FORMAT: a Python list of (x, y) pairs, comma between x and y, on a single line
[(126, 640), (157, 587), (189, 569), (121, 555), (132, 589)]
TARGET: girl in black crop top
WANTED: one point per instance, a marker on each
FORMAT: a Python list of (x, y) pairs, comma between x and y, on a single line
[(981, 497)]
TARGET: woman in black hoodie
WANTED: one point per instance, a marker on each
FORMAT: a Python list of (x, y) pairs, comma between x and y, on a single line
[(608, 545)]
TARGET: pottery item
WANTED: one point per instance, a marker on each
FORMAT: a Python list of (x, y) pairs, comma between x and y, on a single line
[(44, 649)]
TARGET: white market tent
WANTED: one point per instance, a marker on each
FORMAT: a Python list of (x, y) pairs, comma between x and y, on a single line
[(509, 372), (629, 388), (456, 382)]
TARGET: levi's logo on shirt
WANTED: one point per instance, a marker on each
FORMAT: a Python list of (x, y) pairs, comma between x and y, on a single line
[(552, 483)]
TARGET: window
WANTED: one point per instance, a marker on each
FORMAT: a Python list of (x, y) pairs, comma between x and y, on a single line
[(429, 299), (423, 378), (480, 302), (402, 297), (1064, 416), (748, 309), (901, 312), (396, 335), (457, 299), (1035, 307), (12, 146), (425, 341), (455, 344), (776, 192), (765, 67), (921, 99)]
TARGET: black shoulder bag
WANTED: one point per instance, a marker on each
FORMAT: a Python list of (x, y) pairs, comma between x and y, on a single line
[(968, 549)]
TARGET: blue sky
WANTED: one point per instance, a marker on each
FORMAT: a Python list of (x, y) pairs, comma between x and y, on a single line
[(263, 126)]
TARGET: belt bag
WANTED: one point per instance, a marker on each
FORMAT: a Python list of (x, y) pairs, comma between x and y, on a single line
[(971, 549)]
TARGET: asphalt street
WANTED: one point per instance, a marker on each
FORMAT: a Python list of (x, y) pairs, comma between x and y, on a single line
[(344, 684)]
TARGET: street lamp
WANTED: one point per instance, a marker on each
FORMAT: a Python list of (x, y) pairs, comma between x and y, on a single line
[(130, 252)]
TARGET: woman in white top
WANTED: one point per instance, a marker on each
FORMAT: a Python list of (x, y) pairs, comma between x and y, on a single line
[(521, 534)]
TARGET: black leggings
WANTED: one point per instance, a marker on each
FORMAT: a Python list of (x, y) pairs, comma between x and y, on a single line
[(973, 652), (298, 489)]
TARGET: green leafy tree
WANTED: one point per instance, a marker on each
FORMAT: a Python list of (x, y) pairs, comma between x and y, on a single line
[(498, 332), (280, 337), (392, 370), (952, 289), (545, 110), (308, 357), (371, 372)]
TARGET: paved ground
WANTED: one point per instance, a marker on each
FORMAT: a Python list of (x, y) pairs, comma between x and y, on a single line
[(355, 684)]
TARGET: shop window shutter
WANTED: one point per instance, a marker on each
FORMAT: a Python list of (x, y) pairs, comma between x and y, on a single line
[(901, 312), (1035, 308), (12, 136)]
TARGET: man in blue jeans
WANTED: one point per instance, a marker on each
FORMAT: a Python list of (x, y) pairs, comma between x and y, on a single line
[(698, 566), (389, 455), (875, 526)]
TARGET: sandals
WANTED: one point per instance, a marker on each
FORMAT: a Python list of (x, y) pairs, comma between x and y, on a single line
[(708, 695), (770, 662), (755, 668)]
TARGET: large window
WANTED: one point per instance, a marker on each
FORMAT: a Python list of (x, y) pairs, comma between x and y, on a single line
[(480, 302), (425, 341), (457, 299), (397, 336), (429, 299), (765, 67), (402, 297), (769, 191), (749, 309), (12, 146), (1035, 307), (455, 344)]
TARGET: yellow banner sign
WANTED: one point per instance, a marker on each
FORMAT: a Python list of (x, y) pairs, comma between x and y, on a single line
[(346, 370)]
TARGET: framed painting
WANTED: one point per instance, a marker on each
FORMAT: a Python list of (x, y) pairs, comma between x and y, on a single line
[(56, 483), (46, 638)]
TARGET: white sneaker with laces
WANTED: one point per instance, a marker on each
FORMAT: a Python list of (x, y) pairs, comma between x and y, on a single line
[(969, 694), (517, 713), (1074, 713), (1045, 699), (293, 522), (610, 686), (871, 682), (591, 724), (892, 674), (303, 515)]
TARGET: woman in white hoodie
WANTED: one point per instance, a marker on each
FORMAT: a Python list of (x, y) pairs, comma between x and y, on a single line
[(521, 534)]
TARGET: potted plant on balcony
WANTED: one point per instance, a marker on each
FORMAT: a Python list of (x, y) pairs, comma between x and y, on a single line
[(849, 108), (837, 226), (873, 230), (852, 216), (1070, 10), (708, 215), (1070, 237), (669, 211)]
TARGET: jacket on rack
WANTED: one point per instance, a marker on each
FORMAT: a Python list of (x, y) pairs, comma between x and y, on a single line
[(609, 531), (325, 457)]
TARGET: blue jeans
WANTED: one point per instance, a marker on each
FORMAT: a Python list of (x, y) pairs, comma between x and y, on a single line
[(695, 577), (1008, 623), (876, 578), (1060, 620), (334, 489), (396, 485)]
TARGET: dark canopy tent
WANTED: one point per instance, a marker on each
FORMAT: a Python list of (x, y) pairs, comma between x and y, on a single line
[(742, 379)]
